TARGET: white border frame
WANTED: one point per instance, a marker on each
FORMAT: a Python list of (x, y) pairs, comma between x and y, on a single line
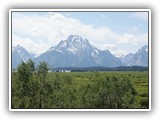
[(80, 10)]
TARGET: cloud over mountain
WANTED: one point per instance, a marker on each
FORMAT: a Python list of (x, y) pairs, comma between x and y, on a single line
[(37, 31), (76, 51)]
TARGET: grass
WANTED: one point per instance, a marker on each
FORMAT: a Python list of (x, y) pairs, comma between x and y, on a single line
[(73, 85), (139, 79)]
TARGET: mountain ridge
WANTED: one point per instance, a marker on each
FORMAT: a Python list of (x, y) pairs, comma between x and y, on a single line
[(77, 52), (20, 54), (140, 58)]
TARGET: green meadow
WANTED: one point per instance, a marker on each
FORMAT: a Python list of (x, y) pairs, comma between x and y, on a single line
[(91, 90)]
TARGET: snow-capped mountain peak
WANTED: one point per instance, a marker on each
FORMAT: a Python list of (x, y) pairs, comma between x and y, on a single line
[(76, 41), (20, 54), (76, 51), (50, 49), (17, 48), (74, 38), (73, 44), (143, 49)]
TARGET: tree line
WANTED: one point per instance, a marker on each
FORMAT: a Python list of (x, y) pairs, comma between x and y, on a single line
[(101, 68), (36, 88)]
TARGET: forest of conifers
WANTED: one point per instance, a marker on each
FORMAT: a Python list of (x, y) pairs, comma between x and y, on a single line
[(36, 88)]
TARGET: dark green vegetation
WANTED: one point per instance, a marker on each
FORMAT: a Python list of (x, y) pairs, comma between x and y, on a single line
[(100, 68), (39, 89)]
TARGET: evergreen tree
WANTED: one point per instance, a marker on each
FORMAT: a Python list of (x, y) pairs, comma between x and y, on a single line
[(42, 71), (24, 78)]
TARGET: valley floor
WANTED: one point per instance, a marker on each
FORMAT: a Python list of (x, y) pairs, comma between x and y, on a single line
[(93, 90)]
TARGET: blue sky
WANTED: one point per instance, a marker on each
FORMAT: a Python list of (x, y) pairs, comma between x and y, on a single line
[(119, 32), (114, 20)]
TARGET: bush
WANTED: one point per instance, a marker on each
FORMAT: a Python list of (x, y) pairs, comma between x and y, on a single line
[(144, 102)]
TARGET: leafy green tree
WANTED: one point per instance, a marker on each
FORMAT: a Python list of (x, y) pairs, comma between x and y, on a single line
[(116, 93), (24, 87), (42, 71), (36, 88), (31, 65)]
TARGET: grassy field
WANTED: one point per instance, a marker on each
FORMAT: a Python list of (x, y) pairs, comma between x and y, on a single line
[(139, 79), (126, 89)]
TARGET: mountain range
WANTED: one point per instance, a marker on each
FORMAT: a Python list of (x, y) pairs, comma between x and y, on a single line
[(78, 52), (140, 58)]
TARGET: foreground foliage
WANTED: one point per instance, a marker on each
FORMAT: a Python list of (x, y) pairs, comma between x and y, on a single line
[(39, 89)]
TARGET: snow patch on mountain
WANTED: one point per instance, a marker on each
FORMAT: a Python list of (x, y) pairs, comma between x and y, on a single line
[(140, 58), (78, 52), (20, 54)]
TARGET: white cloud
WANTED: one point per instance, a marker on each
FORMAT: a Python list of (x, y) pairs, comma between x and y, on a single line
[(141, 15), (54, 27), (29, 45), (109, 46), (126, 38), (113, 48), (133, 39), (119, 53)]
